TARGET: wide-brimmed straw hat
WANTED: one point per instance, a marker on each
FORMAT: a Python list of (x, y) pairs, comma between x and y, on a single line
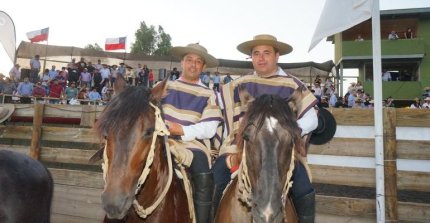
[(427, 99), (6, 111), (264, 39), (181, 51)]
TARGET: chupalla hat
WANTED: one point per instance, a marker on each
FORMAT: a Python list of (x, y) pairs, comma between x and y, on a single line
[(181, 51), (264, 39)]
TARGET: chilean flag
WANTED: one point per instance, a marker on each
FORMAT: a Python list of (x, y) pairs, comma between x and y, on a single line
[(38, 35), (115, 43)]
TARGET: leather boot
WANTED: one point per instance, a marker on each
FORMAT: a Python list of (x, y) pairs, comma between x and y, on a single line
[(202, 192), (305, 208)]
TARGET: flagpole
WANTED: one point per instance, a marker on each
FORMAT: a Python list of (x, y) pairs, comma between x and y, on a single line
[(379, 125), (125, 49), (46, 52)]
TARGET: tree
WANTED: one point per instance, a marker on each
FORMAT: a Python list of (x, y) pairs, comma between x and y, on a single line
[(151, 42), (163, 43), (95, 47)]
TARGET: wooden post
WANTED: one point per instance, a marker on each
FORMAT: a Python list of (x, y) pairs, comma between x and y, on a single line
[(390, 164), (37, 131), (88, 117)]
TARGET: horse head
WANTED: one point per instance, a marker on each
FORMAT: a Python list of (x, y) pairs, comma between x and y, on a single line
[(268, 137), (127, 124)]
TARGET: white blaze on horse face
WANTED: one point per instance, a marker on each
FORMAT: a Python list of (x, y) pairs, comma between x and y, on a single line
[(268, 212), (271, 123)]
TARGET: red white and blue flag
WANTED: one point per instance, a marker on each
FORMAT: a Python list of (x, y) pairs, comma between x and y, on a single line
[(38, 35), (115, 43)]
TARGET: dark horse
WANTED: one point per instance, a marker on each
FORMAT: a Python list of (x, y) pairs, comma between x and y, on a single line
[(26, 189), (268, 138), (137, 176)]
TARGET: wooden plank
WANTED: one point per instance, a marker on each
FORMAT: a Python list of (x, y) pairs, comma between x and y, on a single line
[(414, 212), (346, 147), (65, 155), (345, 206), (410, 149), (411, 180), (78, 178), (363, 177), (62, 134), (61, 218), (413, 117), (20, 149), (15, 132), (51, 110), (365, 208), (70, 134), (77, 201), (348, 176), (352, 116)]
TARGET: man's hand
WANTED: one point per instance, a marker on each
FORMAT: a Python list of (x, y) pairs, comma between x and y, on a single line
[(175, 128)]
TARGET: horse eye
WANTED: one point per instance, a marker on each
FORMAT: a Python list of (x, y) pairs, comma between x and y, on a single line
[(246, 137), (148, 133)]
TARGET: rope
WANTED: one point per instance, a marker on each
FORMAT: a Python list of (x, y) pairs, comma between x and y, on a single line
[(188, 192), (160, 130), (244, 184)]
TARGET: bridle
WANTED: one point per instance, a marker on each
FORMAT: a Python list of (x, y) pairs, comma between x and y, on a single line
[(160, 130), (244, 184)]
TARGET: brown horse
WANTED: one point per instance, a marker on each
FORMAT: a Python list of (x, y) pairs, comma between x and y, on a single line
[(139, 184), (268, 139)]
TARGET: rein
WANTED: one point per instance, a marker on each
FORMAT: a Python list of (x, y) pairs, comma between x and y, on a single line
[(160, 130), (244, 184)]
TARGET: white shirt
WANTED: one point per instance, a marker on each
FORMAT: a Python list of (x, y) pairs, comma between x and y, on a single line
[(15, 74), (105, 73), (386, 76)]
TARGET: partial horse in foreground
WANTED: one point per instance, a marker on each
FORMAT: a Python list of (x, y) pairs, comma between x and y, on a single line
[(26, 189), (268, 140), (139, 184)]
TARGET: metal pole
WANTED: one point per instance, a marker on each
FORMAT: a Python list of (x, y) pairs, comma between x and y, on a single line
[(378, 116)]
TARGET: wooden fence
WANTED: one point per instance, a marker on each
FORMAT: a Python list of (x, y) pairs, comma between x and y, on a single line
[(65, 149)]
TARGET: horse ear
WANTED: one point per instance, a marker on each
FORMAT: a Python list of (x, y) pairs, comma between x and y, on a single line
[(97, 156), (119, 84), (295, 99), (244, 95), (160, 89)]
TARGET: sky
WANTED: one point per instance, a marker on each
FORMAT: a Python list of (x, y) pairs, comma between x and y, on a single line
[(217, 25)]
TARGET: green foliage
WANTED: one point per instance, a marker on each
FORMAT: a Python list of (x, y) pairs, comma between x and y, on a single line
[(95, 47), (151, 42)]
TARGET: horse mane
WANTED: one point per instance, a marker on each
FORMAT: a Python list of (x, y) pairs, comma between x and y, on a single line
[(265, 106), (124, 110)]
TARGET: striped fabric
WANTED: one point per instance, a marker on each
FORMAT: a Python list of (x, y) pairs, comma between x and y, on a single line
[(282, 85), (189, 104)]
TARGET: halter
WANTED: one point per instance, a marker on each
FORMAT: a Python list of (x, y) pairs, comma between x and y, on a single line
[(244, 184), (160, 130)]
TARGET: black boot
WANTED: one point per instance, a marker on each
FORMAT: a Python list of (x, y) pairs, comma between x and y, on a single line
[(202, 192), (305, 208)]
